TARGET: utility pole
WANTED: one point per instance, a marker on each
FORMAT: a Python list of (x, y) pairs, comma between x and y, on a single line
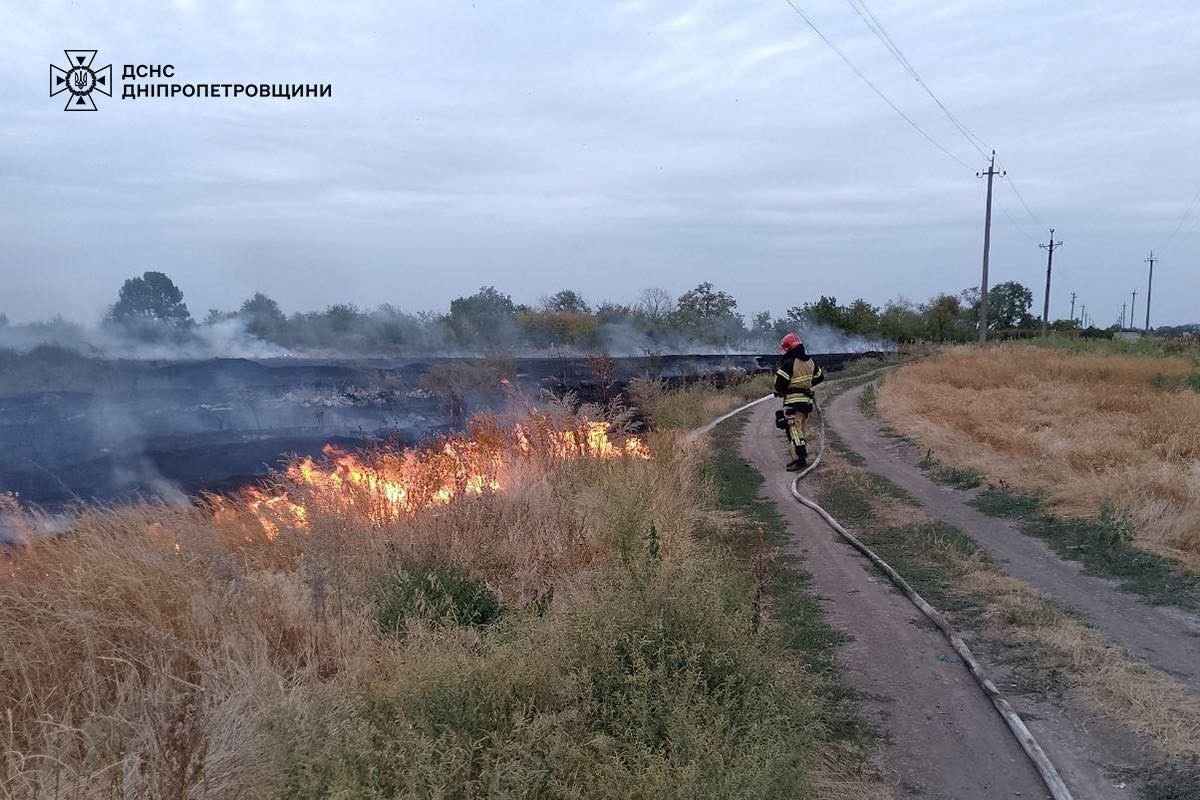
[(1049, 248), (987, 247), (1149, 286), (1072, 306), (1082, 315), (1133, 309), (1121, 325)]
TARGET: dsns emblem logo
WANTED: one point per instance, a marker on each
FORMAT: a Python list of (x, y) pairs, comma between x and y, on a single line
[(80, 80)]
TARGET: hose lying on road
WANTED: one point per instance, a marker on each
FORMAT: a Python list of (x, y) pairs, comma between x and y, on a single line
[(730, 415), (1041, 762)]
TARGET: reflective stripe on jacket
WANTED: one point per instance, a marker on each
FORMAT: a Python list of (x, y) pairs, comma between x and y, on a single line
[(796, 377)]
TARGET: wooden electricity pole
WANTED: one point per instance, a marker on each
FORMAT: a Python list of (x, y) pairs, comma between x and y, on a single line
[(1133, 309), (1149, 286), (987, 247), (1072, 306), (1049, 248)]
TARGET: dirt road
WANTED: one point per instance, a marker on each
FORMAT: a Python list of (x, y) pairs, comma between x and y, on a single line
[(1163, 636), (943, 739)]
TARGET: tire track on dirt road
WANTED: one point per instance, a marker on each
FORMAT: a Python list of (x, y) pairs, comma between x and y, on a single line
[(1166, 637), (944, 741)]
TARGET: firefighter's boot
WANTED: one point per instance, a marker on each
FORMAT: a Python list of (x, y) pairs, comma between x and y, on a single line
[(801, 460)]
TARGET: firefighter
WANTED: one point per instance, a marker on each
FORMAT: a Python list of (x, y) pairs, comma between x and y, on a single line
[(794, 382)]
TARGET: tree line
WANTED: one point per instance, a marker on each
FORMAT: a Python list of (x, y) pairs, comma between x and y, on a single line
[(151, 308)]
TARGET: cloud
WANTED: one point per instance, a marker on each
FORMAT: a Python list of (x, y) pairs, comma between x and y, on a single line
[(534, 146)]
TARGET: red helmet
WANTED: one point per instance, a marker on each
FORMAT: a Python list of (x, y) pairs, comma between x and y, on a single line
[(789, 341)]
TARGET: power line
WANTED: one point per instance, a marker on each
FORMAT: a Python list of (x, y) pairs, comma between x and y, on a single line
[(874, 88), (1020, 226), (876, 27), (1021, 197), (1182, 219)]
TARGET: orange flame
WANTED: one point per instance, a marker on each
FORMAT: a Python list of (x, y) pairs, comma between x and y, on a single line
[(391, 484)]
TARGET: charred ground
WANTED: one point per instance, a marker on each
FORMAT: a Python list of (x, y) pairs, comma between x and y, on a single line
[(78, 428)]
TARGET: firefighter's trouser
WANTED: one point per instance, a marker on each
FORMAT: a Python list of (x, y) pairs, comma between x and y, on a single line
[(797, 427)]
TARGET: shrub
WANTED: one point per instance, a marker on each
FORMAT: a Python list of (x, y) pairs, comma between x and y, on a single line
[(656, 692), (439, 593)]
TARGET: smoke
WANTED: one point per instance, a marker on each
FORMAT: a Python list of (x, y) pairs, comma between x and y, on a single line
[(344, 331), (223, 339), (826, 339), (620, 339), (19, 525), (117, 433)]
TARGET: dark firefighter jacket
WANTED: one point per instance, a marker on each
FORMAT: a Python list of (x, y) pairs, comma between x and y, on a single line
[(796, 376)]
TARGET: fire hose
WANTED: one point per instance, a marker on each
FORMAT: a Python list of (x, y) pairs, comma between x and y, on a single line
[(1041, 762)]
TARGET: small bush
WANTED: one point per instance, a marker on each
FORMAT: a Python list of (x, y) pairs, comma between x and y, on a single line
[(432, 592)]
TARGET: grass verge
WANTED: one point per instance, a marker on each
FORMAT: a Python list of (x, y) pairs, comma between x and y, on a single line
[(1046, 650), (757, 534), (1102, 545), (866, 401)]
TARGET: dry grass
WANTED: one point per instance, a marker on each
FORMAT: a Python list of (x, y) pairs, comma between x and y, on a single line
[(897, 512), (1082, 429), (1101, 675), (143, 652), (694, 405), (171, 653), (1104, 676)]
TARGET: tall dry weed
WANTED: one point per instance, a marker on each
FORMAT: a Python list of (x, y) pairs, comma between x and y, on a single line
[(144, 652)]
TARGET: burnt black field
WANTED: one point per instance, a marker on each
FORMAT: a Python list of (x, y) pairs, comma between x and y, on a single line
[(83, 429)]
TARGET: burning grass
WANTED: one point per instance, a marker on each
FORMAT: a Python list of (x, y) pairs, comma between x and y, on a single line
[(1084, 430), (529, 611)]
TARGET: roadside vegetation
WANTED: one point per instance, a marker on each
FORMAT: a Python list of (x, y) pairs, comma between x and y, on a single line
[(1044, 650), (591, 626), (786, 609), (1067, 430)]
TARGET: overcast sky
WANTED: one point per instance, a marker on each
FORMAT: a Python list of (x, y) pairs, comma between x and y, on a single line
[(600, 146)]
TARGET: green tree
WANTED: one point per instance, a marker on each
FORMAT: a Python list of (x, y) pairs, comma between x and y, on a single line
[(613, 313), (566, 301), (559, 328), (1064, 325), (486, 319), (825, 311), (263, 317), (708, 315), (1008, 306), (341, 317), (901, 321), (862, 318), (943, 318), (151, 298)]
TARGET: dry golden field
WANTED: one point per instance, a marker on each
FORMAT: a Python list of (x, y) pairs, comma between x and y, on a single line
[(1085, 429)]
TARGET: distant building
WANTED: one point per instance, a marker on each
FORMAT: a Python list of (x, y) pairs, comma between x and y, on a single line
[(1129, 336)]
